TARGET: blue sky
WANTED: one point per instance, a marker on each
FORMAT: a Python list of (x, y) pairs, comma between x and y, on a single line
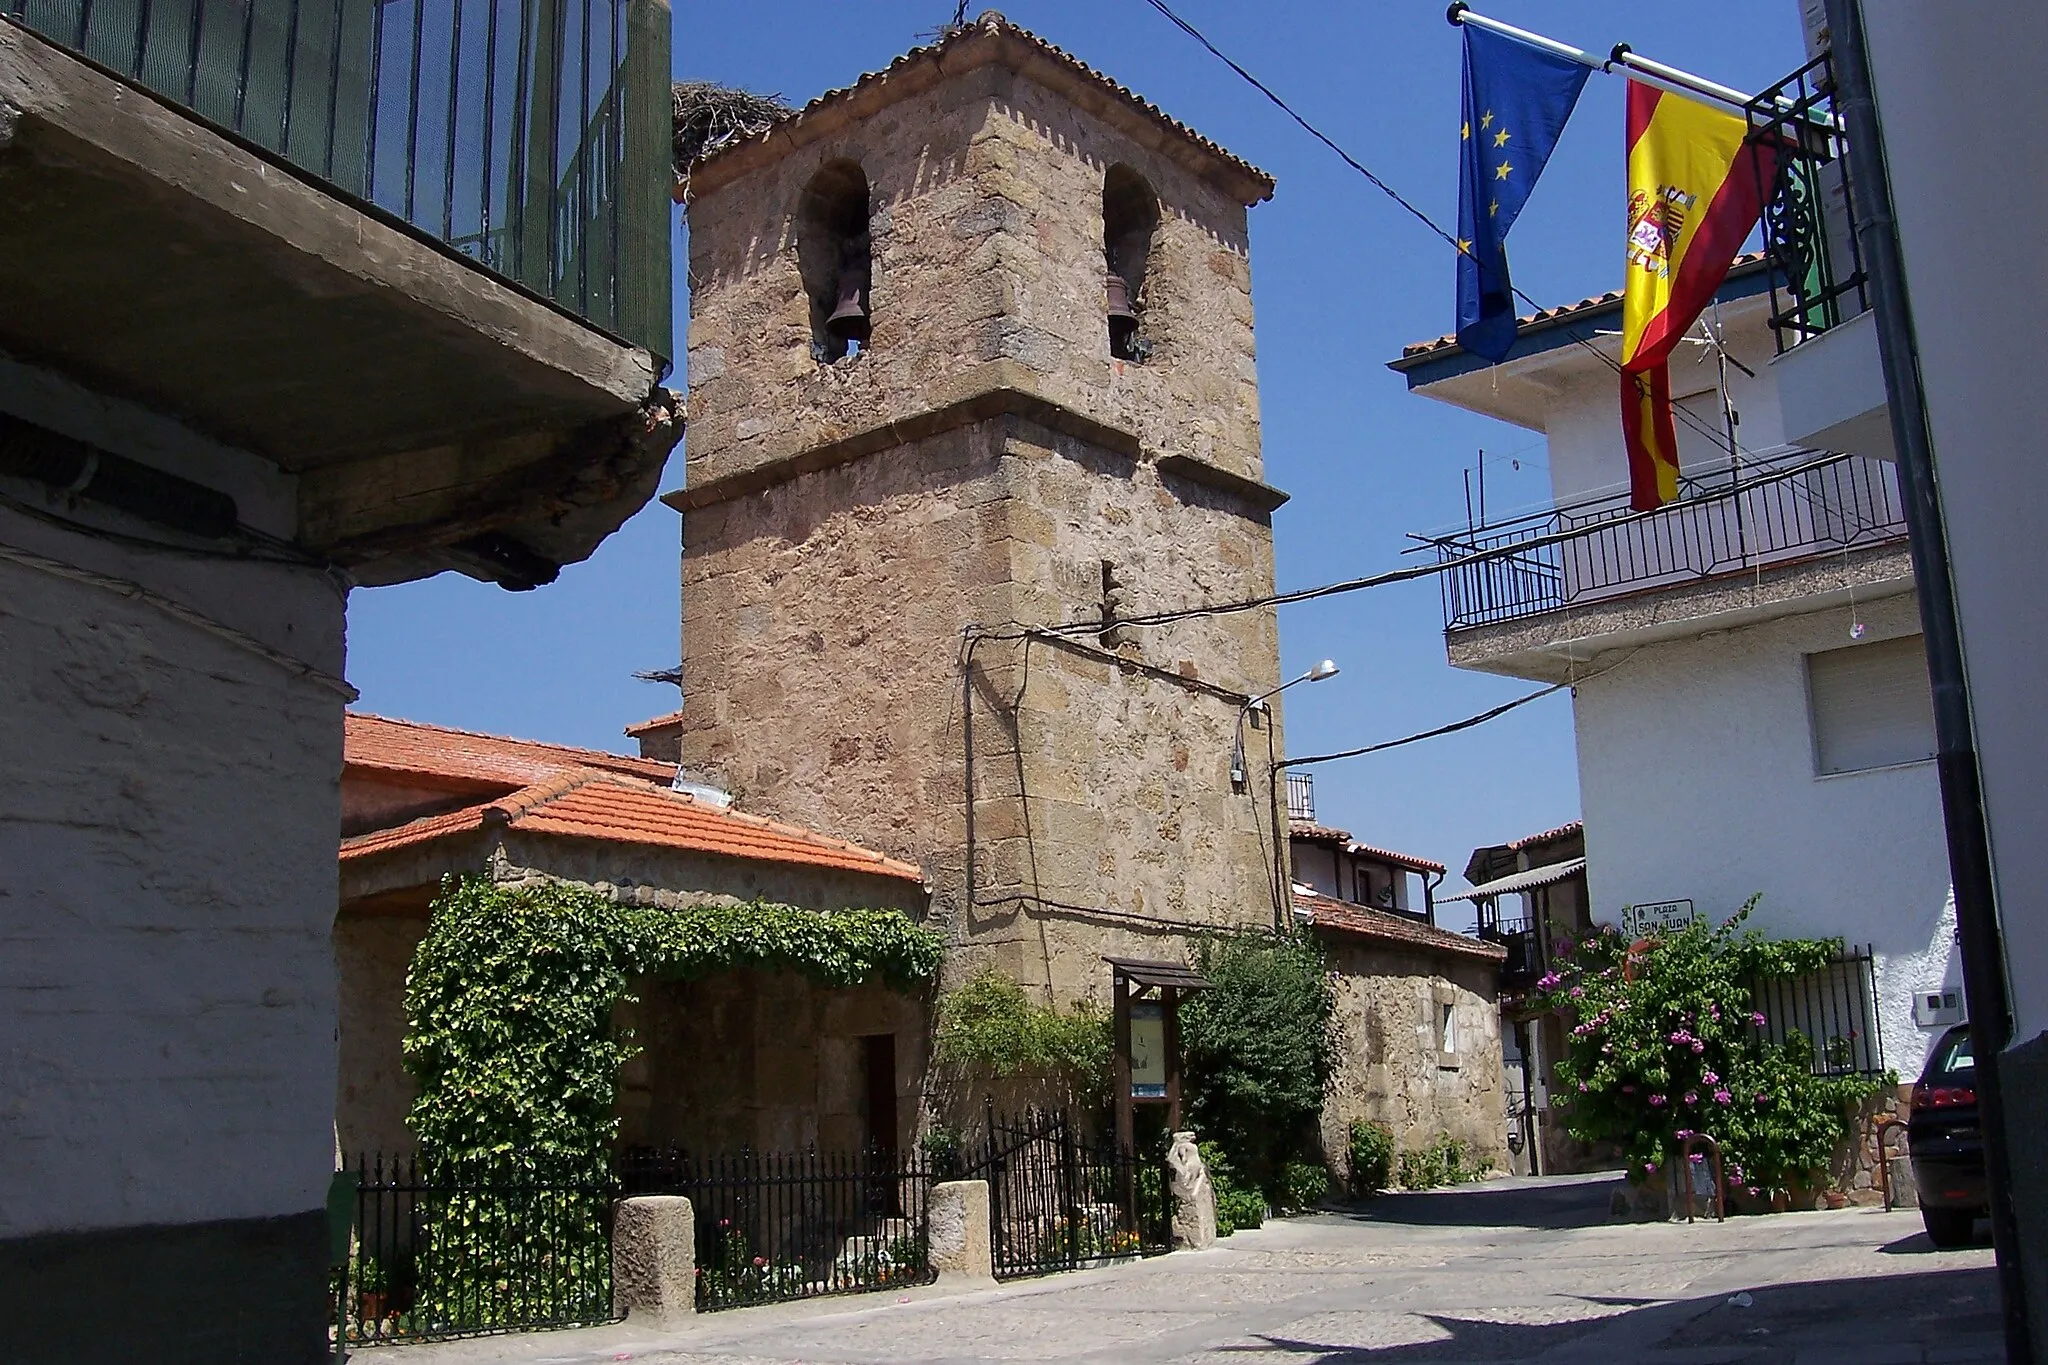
[(1342, 279)]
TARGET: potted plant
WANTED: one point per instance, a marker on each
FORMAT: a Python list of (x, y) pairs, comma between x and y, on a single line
[(373, 1289)]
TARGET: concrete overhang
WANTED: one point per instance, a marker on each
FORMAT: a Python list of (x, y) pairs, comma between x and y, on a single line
[(434, 415), (1567, 643), (1554, 353), (1831, 391)]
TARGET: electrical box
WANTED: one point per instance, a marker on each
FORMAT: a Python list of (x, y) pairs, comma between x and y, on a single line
[(1938, 1009)]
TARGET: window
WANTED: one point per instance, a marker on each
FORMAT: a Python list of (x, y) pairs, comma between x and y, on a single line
[(1130, 214), (834, 259), (1447, 1028), (1871, 706)]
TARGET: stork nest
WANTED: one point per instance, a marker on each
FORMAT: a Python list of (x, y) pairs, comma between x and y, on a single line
[(709, 117)]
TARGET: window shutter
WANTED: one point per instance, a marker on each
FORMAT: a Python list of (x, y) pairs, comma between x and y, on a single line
[(1871, 705)]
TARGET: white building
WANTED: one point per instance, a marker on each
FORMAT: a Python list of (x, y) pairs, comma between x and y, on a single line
[(1750, 695)]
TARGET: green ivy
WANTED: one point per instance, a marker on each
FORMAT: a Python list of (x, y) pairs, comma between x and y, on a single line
[(1669, 1045), (990, 1030), (509, 1009), (1257, 1051)]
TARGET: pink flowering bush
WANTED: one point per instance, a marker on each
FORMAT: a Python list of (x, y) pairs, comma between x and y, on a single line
[(1662, 1049)]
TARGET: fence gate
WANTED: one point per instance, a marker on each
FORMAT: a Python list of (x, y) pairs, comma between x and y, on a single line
[(1059, 1202)]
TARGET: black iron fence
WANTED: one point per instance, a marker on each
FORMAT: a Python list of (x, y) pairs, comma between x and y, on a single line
[(439, 1251), (1301, 798), (1834, 1009), (772, 1227), (532, 136), (1058, 1201), (1773, 508), (1817, 275), (1525, 962)]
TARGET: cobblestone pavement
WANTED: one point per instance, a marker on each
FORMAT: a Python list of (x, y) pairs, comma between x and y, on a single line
[(1508, 1271)]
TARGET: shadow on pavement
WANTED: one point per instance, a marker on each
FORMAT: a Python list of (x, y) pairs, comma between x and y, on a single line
[(1567, 1203), (1953, 1310)]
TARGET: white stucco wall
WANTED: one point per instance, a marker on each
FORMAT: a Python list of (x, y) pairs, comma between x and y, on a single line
[(1583, 423), (1697, 773), (1959, 96), (167, 884)]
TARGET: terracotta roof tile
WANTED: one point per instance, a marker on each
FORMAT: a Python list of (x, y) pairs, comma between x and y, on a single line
[(408, 746), (640, 728), (1321, 834), (1399, 859), (1559, 313), (590, 804), (1358, 921), (1571, 827), (993, 27)]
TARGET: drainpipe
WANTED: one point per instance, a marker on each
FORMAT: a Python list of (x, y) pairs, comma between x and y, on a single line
[(1962, 796)]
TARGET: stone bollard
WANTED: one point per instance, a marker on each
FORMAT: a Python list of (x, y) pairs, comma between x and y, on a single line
[(958, 1215), (1194, 1198), (654, 1260)]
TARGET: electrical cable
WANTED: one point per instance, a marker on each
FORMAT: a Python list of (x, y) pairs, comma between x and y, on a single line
[(1394, 194), (1451, 729)]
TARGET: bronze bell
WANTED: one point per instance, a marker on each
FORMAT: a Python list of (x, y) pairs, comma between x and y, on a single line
[(1123, 322), (849, 320)]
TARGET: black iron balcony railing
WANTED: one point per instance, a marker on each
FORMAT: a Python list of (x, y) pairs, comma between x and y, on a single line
[(1776, 508), (1817, 276), (1301, 798), (531, 136), (1525, 961)]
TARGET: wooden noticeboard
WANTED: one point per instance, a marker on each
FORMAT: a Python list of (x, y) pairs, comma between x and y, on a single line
[(1145, 1009)]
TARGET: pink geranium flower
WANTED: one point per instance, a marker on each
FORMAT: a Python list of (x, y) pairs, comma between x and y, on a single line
[(1722, 1097), (1692, 1097), (1656, 1100)]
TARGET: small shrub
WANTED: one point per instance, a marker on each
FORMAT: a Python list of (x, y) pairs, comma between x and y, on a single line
[(990, 1029), (1372, 1156), (1303, 1184), (1239, 1209), (1444, 1161)]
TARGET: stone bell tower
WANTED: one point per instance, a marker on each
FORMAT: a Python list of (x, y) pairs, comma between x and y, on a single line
[(971, 352)]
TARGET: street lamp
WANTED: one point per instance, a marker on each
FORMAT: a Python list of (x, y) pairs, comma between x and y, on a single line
[(1326, 669)]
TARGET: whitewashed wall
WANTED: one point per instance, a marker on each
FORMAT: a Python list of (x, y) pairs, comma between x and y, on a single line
[(1697, 775), (167, 885)]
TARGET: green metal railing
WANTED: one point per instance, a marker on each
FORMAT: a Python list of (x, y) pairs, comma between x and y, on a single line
[(532, 136)]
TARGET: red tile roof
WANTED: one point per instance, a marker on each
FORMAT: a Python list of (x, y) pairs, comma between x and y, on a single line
[(1560, 313), (656, 723), (383, 744), (992, 27), (1324, 834), (589, 804), (1572, 827), (1388, 855), (1332, 916)]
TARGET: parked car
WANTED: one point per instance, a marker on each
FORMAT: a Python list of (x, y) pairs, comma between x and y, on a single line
[(1946, 1142)]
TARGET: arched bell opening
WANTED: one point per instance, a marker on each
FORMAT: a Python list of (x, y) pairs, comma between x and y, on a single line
[(834, 258), (1130, 217)]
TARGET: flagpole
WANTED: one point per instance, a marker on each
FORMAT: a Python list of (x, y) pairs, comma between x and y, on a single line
[(1658, 74)]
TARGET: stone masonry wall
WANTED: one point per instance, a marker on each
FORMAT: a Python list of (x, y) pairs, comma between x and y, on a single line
[(763, 1060), (824, 602), (986, 229), (1388, 1065)]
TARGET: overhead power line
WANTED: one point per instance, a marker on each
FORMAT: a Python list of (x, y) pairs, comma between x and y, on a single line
[(1402, 200)]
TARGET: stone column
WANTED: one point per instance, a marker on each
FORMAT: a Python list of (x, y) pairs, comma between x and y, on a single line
[(1194, 1198), (958, 1216), (654, 1260)]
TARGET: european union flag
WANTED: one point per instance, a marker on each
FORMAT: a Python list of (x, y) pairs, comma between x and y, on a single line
[(1517, 99)]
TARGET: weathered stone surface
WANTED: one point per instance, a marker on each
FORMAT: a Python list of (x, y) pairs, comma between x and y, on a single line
[(1389, 1067), (958, 1217), (1194, 1198), (654, 1260)]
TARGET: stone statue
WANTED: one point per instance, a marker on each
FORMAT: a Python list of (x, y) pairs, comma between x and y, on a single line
[(1194, 1200)]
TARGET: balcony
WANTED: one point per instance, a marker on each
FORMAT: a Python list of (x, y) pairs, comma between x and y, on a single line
[(1526, 961), (1742, 544), (1830, 382), (531, 136), (412, 258)]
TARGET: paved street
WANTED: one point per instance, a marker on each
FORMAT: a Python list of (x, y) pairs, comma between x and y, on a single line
[(1507, 1271)]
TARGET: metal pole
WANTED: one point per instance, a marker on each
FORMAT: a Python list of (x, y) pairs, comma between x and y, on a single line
[(1962, 797)]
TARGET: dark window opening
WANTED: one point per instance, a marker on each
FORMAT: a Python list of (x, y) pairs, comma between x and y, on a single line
[(834, 259), (878, 1062), (1130, 216)]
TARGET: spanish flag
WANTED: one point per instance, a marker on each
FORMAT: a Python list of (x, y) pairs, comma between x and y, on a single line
[(1695, 187)]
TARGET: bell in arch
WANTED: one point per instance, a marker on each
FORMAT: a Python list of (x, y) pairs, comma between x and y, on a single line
[(849, 319), (1123, 319)]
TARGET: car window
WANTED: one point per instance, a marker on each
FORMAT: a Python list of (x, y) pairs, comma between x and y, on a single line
[(1955, 1056)]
